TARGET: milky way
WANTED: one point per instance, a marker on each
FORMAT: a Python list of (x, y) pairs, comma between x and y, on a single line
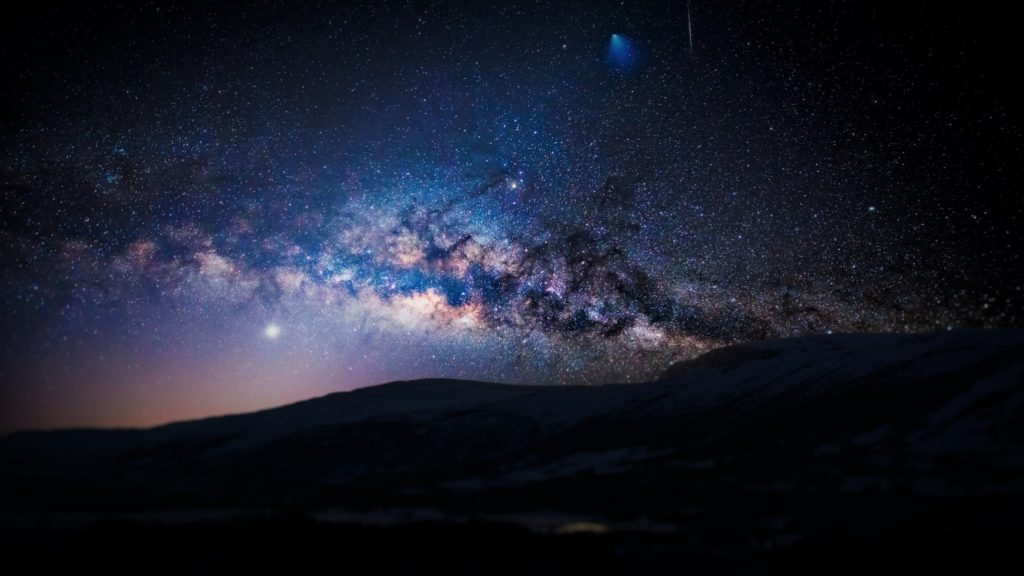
[(209, 211)]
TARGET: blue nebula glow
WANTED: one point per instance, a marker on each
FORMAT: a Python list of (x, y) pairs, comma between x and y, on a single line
[(623, 53)]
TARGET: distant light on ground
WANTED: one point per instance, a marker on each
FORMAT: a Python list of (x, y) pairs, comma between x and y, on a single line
[(583, 528)]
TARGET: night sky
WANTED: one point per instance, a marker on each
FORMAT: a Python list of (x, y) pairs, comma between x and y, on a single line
[(210, 210)]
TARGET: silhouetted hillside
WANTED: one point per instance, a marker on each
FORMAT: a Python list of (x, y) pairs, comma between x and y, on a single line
[(751, 450)]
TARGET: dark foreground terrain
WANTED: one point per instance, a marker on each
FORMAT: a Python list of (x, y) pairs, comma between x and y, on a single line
[(836, 453)]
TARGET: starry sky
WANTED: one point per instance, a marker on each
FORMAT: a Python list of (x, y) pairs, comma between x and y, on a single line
[(216, 209)]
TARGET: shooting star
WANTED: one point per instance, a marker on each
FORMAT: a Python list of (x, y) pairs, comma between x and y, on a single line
[(689, 27)]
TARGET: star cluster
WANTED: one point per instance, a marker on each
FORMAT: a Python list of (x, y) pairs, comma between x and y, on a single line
[(211, 210)]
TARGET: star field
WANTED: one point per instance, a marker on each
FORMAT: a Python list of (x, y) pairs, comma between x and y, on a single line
[(211, 210)]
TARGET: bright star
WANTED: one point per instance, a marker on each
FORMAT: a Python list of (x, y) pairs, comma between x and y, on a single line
[(272, 331)]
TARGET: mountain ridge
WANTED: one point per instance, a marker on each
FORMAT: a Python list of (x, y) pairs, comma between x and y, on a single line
[(829, 416)]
